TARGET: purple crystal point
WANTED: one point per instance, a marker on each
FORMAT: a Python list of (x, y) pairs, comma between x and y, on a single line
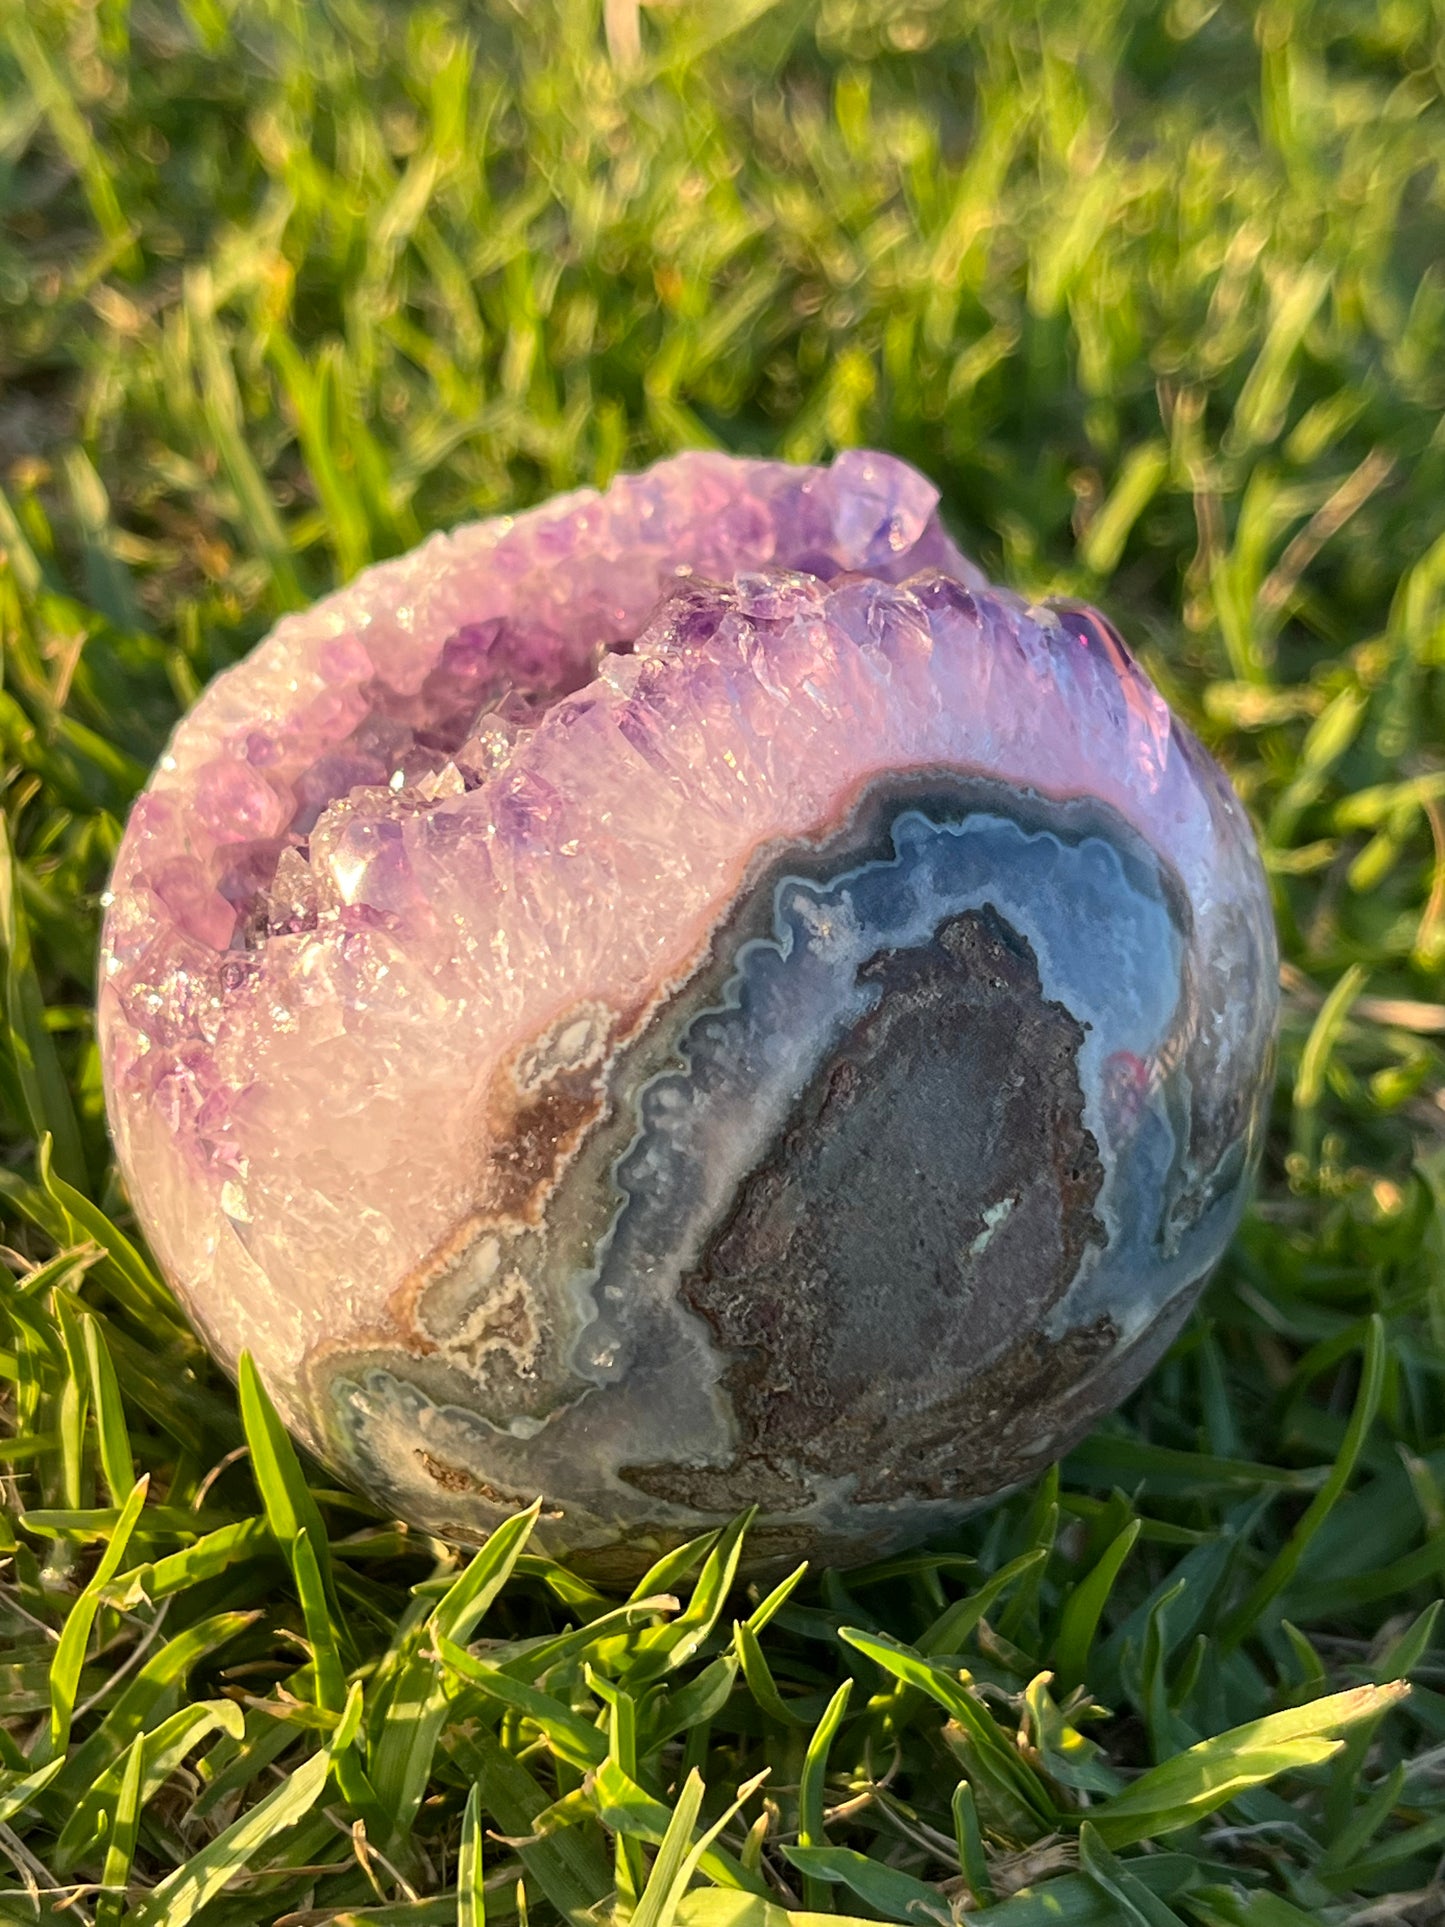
[(688, 998)]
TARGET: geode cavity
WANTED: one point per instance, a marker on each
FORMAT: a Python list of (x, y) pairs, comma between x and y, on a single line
[(687, 998)]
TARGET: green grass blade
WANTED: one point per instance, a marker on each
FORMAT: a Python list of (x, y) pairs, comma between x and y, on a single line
[(761, 1683), (18, 1789), (33, 1056), (1272, 1582), (150, 1694), (952, 1628), (1085, 1605), (241, 1544), (626, 1808), (320, 1630), (811, 1829), (117, 1462), (224, 422), (568, 1867), (406, 1717), (1001, 1768), (471, 1887), (467, 1600), (160, 1752), (121, 1842), (126, 1271), (290, 1508), (1137, 1906), (892, 1893), (1184, 1789), (56, 99), (571, 1738), (75, 1635), (182, 1894), (1070, 1901), (968, 1836)]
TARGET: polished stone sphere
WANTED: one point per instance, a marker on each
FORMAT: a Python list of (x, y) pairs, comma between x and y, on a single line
[(687, 999)]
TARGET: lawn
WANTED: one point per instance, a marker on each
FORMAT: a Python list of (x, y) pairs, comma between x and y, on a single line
[(1153, 293)]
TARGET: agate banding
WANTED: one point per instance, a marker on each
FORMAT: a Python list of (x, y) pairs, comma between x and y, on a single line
[(683, 999)]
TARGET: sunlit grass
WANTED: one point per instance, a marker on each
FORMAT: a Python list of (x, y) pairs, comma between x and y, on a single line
[(1154, 294)]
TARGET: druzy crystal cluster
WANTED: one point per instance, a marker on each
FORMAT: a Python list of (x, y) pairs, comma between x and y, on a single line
[(687, 998)]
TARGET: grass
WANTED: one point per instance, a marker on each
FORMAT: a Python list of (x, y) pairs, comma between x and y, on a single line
[(1154, 293)]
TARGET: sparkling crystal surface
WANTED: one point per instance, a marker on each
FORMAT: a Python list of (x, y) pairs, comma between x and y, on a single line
[(687, 997)]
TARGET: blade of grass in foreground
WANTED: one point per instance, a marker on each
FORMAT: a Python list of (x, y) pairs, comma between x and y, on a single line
[(71, 1647), (32, 1053), (1184, 1789), (182, 1894)]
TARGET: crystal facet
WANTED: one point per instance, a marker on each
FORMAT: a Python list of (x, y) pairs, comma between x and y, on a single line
[(688, 998)]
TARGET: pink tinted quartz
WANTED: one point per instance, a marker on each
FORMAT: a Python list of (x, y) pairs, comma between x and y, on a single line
[(682, 998)]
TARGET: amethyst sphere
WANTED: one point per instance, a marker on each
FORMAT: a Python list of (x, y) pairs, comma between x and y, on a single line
[(687, 998)]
